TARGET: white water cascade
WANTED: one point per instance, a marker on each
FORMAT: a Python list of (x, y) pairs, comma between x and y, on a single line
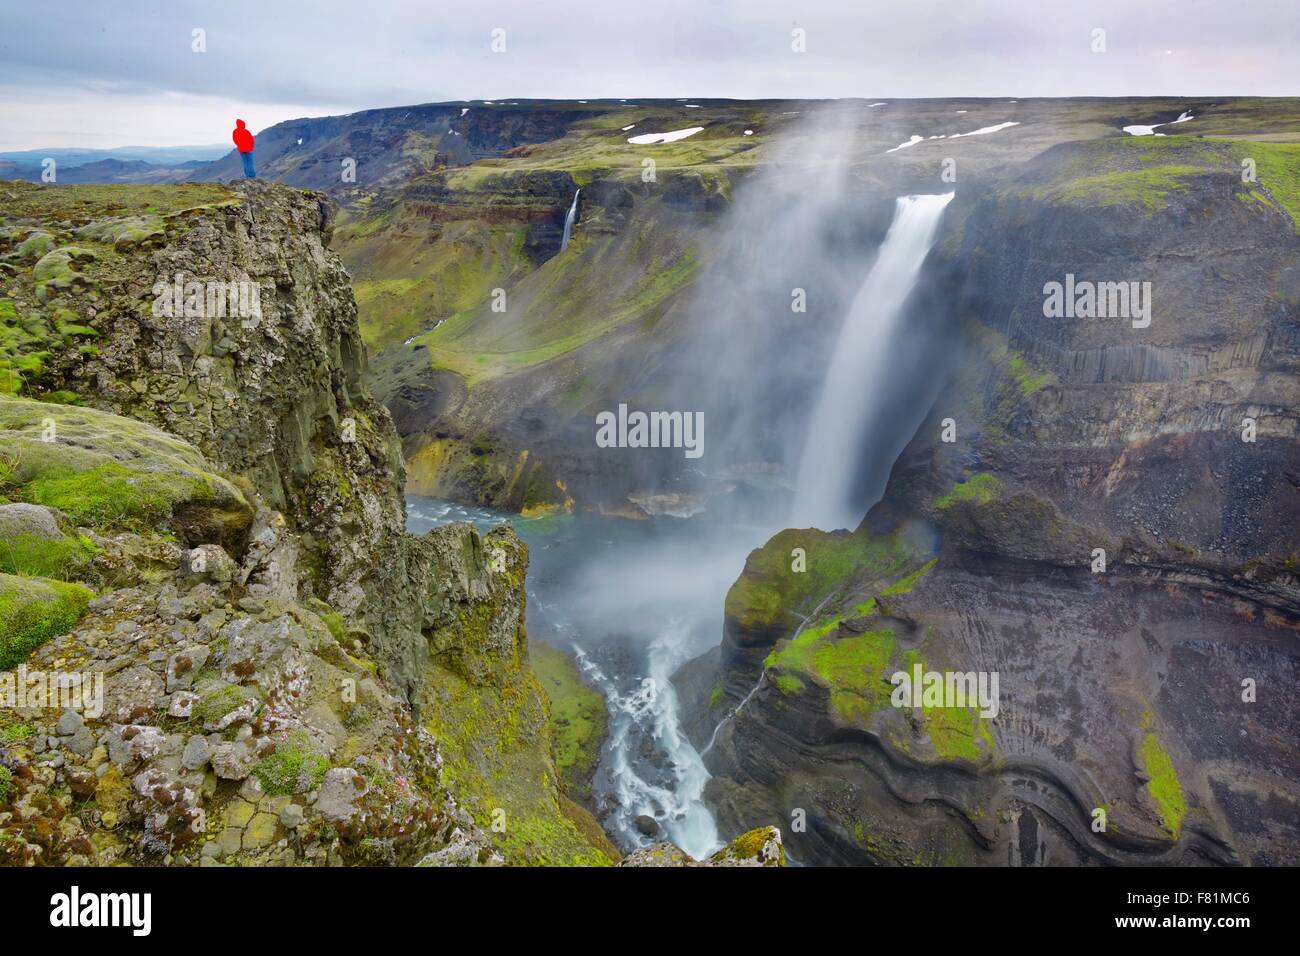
[(651, 712), (568, 221), (860, 370)]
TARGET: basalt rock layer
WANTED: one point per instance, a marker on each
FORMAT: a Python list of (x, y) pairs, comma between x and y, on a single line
[(1112, 532)]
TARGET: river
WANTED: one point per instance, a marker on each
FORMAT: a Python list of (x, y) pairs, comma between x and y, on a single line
[(630, 601)]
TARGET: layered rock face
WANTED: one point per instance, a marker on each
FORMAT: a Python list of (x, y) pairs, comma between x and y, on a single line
[(1144, 710), (265, 630)]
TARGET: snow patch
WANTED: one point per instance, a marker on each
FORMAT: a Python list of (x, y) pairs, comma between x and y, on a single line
[(986, 129), (647, 139), (1183, 117), (911, 142), (914, 139)]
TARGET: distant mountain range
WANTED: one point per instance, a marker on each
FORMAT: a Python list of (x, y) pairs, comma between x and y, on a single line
[(125, 164), (155, 155)]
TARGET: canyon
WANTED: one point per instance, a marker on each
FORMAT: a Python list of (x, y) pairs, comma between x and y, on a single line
[(769, 643)]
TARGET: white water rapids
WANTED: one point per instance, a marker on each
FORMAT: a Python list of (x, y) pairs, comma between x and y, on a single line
[(650, 713)]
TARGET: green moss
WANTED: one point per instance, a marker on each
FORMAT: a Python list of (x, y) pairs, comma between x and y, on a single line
[(25, 342), (490, 715), (36, 245), (84, 203), (292, 768), (789, 684), (578, 718), (334, 621), (124, 232), (850, 666), (1277, 166), (60, 397), (498, 762), (865, 608), (953, 732), (747, 846), (60, 269), (109, 472), (6, 784), (33, 610), (956, 733), (1148, 187), (1027, 382), (16, 733), (770, 593), (905, 584), (112, 495), (478, 346), (63, 559), (217, 700), (1163, 786), (980, 489), (716, 696)]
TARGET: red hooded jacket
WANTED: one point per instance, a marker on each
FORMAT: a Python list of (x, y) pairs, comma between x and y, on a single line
[(242, 137)]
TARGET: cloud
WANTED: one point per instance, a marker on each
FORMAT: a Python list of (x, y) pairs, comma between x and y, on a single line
[(314, 56), (31, 117)]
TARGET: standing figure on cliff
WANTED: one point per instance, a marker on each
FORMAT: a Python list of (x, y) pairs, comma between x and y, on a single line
[(244, 143)]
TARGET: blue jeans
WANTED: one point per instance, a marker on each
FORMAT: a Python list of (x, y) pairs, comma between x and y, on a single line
[(249, 171)]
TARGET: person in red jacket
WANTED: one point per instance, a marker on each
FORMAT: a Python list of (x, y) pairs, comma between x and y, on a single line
[(244, 143)]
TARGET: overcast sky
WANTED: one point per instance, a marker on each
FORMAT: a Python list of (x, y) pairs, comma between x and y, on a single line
[(102, 73)]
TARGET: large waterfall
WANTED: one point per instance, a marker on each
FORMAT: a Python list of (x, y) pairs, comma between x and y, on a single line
[(839, 435), (568, 221)]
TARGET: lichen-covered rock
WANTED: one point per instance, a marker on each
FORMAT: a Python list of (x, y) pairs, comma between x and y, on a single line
[(288, 676), (279, 705), (20, 519), (276, 397), (760, 847)]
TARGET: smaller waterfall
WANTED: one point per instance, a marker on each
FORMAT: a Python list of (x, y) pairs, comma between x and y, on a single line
[(568, 221), (731, 715)]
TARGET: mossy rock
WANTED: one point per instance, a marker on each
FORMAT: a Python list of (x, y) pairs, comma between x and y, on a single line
[(125, 232), (65, 558), (796, 568), (33, 610), (55, 270), (112, 473), (36, 245)]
